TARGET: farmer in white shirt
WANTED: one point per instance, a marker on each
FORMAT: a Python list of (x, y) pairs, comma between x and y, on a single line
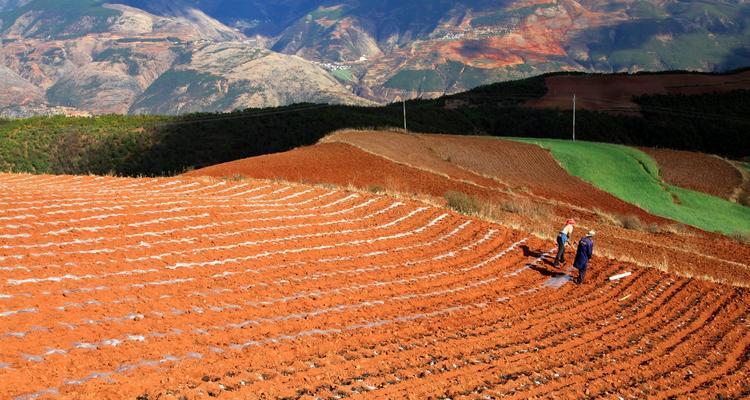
[(562, 240)]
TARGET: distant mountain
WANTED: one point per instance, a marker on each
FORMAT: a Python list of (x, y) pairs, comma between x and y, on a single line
[(139, 55), (79, 56), (229, 76)]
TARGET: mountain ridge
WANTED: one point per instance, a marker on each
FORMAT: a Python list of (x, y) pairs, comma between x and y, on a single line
[(361, 52)]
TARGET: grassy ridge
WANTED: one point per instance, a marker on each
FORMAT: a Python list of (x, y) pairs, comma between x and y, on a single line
[(633, 176)]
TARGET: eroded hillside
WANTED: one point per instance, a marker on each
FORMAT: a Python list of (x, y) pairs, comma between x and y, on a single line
[(88, 56)]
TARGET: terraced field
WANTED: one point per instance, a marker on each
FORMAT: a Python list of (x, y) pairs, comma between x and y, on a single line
[(184, 288)]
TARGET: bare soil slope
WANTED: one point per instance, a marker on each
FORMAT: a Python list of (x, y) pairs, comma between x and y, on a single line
[(164, 288), (615, 92), (343, 165), (697, 171), (519, 166), (541, 194)]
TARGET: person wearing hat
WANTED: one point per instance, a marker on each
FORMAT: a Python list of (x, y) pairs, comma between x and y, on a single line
[(583, 255), (562, 239)]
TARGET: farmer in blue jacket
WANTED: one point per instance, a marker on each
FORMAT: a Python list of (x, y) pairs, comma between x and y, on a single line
[(583, 255)]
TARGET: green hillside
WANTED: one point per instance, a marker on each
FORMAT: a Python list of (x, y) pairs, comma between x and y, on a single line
[(633, 176)]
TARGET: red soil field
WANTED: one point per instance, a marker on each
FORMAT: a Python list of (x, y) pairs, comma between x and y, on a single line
[(615, 92), (164, 288), (528, 166), (531, 171), (697, 171), (341, 164), (520, 166), (431, 165), (411, 150)]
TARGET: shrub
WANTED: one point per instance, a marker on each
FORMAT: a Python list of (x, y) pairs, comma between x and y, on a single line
[(375, 189), (607, 218), (463, 203), (525, 207), (631, 222), (742, 237), (676, 228), (744, 199), (654, 228), (511, 206)]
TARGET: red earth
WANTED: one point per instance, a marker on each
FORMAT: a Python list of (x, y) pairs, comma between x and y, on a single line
[(342, 165), (614, 93), (504, 173), (181, 287), (697, 171), (503, 164)]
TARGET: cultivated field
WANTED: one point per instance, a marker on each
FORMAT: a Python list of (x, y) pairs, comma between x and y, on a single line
[(523, 185), (701, 172), (614, 93), (163, 288), (632, 175)]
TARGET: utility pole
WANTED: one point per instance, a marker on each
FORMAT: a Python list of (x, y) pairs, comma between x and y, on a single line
[(574, 117), (404, 102)]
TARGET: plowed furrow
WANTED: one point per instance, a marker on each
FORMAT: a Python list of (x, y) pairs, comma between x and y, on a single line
[(515, 364), (117, 288), (291, 272), (397, 227), (235, 305), (359, 361)]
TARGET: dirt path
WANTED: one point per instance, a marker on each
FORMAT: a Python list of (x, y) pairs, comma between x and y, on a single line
[(162, 288)]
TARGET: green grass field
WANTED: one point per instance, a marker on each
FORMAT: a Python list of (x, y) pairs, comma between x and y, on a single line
[(345, 75), (633, 176)]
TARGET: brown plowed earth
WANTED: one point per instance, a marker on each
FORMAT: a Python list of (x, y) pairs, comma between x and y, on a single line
[(614, 93), (697, 171), (520, 166), (411, 150), (343, 165), (120, 288), (501, 172), (528, 166)]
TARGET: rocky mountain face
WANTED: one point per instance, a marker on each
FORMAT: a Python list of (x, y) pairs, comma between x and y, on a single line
[(177, 56), (229, 75), (111, 58)]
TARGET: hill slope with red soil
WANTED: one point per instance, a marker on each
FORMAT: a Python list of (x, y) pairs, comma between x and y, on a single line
[(519, 166), (343, 165), (186, 287), (697, 171), (615, 93), (525, 189)]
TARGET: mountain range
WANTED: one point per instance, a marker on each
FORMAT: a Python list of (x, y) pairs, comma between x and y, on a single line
[(182, 56)]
